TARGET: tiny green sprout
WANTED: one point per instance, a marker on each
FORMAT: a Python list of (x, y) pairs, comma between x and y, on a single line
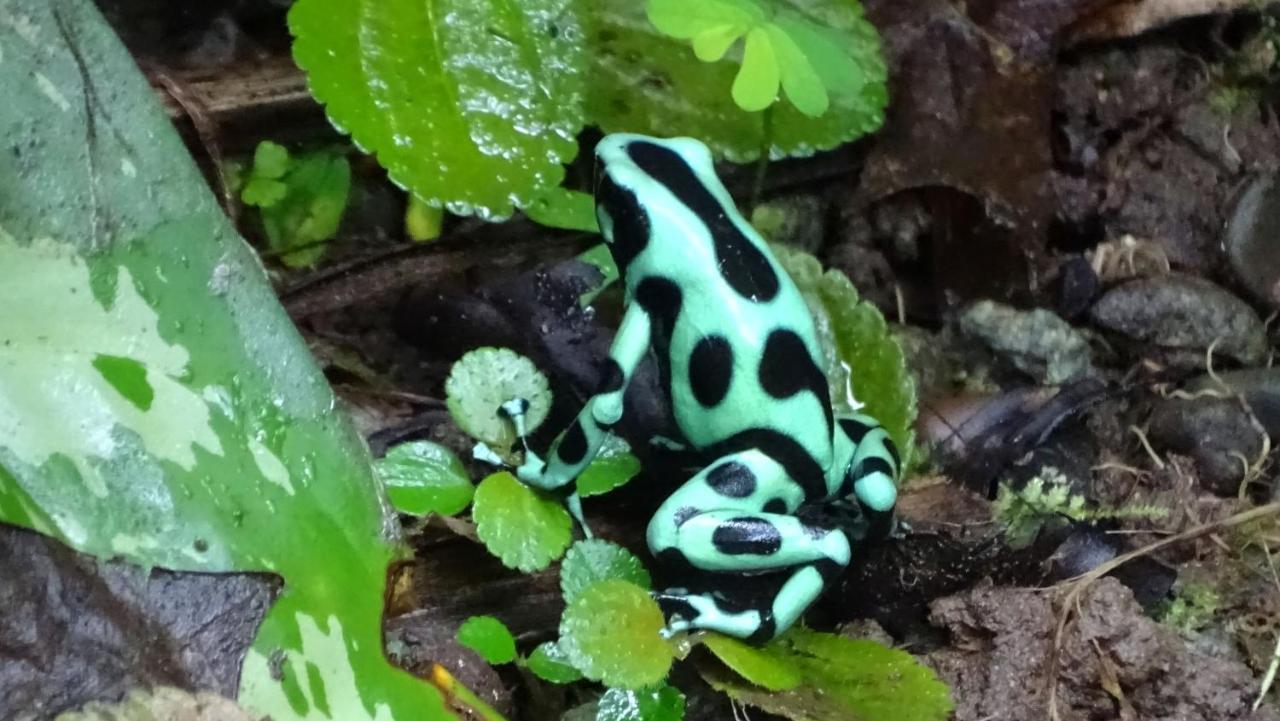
[(301, 199), (781, 48), (263, 187)]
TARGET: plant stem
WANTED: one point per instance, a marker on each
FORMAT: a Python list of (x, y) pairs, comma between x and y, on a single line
[(762, 165), (460, 697)]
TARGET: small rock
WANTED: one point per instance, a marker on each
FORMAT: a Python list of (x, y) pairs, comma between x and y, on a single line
[(1179, 312), (1252, 239), (1037, 342), (1260, 387), (1216, 432)]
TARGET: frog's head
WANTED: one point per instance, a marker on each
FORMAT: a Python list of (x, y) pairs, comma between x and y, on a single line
[(637, 176)]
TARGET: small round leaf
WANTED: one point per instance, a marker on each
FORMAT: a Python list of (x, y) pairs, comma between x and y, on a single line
[(646, 79), (424, 477), (481, 381), (591, 561), (662, 703), (488, 637), (612, 467), (549, 663), (522, 527), (610, 632)]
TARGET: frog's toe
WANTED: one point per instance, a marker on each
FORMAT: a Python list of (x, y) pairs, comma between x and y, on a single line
[(690, 612), (483, 453), (675, 627), (515, 408), (675, 604)]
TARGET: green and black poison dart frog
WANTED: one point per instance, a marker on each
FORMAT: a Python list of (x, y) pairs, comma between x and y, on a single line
[(739, 356)]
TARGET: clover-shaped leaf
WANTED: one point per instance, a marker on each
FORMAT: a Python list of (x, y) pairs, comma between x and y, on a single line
[(523, 528), (825, 58), (782, 48), (488, 637), (594, 560), (481, 381), (611, 633), (424, 477)]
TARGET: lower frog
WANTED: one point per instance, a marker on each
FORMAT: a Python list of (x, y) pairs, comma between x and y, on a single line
[(740, 360)]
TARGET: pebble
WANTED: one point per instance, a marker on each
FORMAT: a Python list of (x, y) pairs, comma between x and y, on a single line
[(1179, 312), (1252, 239), (1216, 432)]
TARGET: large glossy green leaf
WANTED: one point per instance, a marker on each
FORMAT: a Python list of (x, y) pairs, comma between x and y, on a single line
[(843, 678), (644, 81), (473, 104), (156, 404)]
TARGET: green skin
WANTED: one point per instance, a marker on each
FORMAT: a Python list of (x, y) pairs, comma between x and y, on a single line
[(738, 353)]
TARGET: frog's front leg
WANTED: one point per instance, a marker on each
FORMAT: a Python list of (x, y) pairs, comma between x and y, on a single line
[(736, 516), (575, 448), (870, 476)]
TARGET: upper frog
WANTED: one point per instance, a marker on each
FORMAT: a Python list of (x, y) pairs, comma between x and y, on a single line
[(740, 359)]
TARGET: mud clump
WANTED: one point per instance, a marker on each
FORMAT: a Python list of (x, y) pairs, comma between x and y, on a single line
[(1037, 342), (1114, 661)]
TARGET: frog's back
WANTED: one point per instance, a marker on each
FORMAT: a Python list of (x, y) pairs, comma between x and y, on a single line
[(737, 339)]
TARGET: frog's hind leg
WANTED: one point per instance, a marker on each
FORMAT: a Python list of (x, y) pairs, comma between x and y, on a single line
[(736, 517)]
